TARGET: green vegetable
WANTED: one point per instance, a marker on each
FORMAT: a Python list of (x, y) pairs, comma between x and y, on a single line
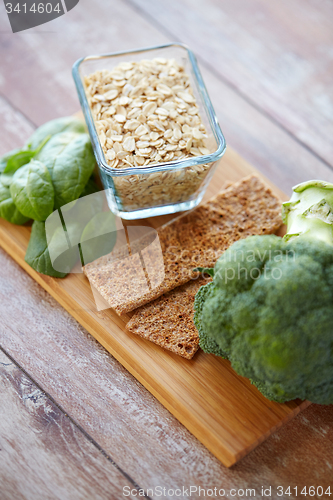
[(205, 270), (17, 161), (70, 161), (49, 129), (269, 307), (4, 159), (18, 158), (83, 209), (98, 237), (8, 209), (6, 179), (90, 188), (310, 211), (63, 253), (82, 223), (54, 169), (32, 191), (206, 343), (38, 256)]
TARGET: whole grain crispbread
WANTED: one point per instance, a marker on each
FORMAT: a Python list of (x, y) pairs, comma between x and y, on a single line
[(195, 239), (168, 320)]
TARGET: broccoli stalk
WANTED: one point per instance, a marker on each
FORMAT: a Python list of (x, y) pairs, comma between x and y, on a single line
[(269, 308), (309, 212)]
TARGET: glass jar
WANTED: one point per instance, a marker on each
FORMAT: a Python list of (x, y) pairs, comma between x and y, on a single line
[(166, 187)]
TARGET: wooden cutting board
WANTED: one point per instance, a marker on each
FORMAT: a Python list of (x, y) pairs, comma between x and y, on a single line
[(223, 410)]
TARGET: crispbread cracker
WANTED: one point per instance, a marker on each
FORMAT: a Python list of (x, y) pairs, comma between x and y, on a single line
[(195, 239), (168, 320)]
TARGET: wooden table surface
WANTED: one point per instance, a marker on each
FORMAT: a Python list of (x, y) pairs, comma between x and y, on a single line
[(74, 424)]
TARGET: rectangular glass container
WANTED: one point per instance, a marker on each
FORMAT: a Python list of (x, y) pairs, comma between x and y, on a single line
[(164, 187)]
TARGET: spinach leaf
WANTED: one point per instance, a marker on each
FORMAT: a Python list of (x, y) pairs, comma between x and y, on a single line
[(90, 188), (64, 228), (18, 158), (32, 191), (98, 237), (8, 209), (70, 160), (53, 127), (6, 179), (38, 256), (82, 210), (4, 159), (63, 254)]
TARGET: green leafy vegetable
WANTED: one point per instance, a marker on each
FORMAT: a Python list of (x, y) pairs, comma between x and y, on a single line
[(8, 209), (63, 254), (83, 209), (38, 256), (98, 237), (21, 157), (90, 188), (64, 228), (53, 169), (17, 161), (4, 159), (32, 191), (6, 179), (49, 129), (70, 161)]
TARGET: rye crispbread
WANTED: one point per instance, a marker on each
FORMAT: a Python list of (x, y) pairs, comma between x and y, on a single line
[(195, 239), (168, 320)]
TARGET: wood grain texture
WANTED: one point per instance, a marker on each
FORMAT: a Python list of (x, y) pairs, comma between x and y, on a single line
[(278, 55), (91, 385), (43, 455), (15, 128), (41, 86), (224, 411), (126, 420)]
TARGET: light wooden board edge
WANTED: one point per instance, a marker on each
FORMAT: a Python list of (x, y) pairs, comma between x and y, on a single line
[(84, 318)]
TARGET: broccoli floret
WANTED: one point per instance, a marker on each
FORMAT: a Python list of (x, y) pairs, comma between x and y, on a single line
[(206, 343), (269, 310)]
